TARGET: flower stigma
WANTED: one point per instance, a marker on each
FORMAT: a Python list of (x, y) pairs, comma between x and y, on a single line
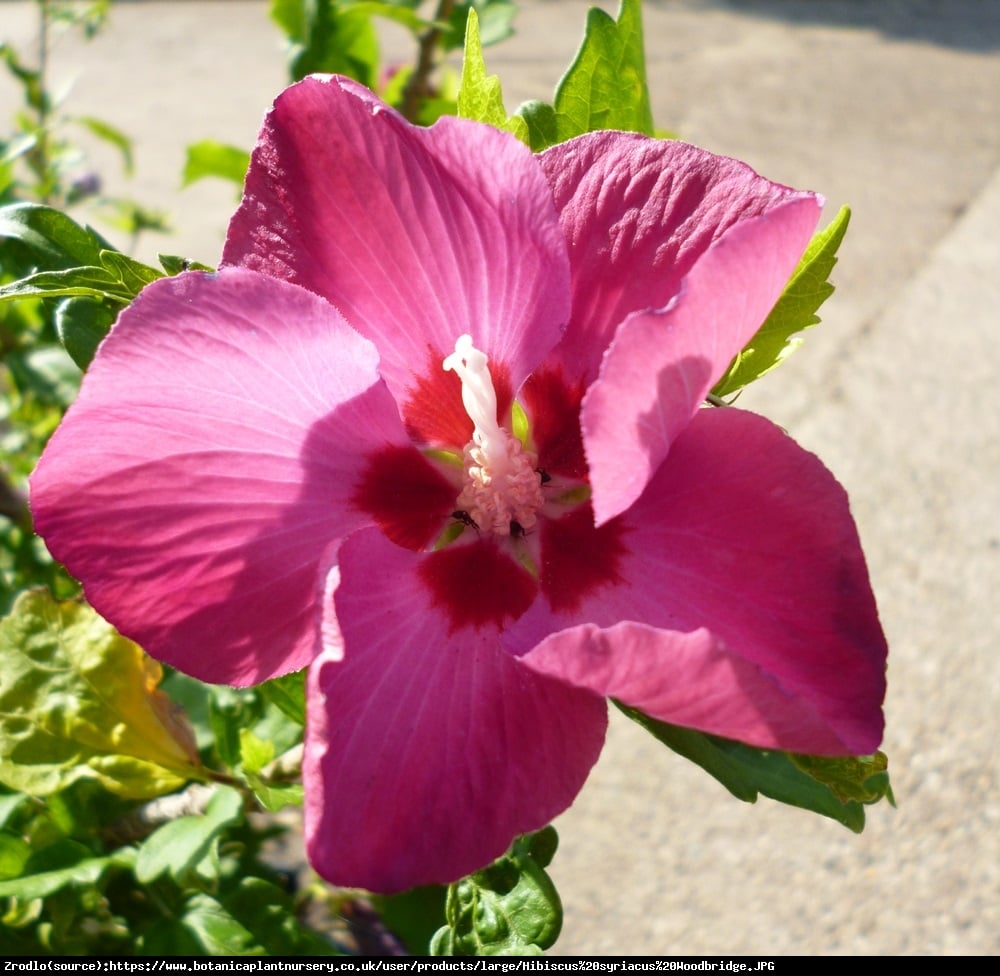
[(502, 486)]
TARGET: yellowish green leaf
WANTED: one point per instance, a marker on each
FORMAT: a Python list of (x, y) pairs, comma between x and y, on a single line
[(78, 701)]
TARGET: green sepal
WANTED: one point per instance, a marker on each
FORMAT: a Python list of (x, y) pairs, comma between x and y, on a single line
[(178, 847), (80, 702), (509, 908), (604, 87), (479, 95), (174, 264), (209, 158), (794, 311), (834, 787)]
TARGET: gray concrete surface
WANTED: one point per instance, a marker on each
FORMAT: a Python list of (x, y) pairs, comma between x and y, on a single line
[(889, 106)]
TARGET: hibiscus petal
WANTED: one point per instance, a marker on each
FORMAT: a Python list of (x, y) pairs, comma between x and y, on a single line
[(428, 749), (661, 364), (416, 235), (206, 466), (744, 606), (637, 214)]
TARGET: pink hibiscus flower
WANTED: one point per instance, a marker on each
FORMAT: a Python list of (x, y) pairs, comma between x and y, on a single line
[(435, 428)]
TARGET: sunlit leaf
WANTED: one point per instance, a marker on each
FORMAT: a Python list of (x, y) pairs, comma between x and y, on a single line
[(479, 95), (605, 86), (800, 781), (46, 238), (289, 694), (178, 847), (508, 908), (79, 701), (794, 311), (210, 158)]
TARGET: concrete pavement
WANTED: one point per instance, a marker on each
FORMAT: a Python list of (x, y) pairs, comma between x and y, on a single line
[(890, 107)]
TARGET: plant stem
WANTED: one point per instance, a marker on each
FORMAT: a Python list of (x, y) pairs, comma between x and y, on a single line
[(418, 86)]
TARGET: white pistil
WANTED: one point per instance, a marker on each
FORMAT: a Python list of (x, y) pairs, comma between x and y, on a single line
[(502, 485)]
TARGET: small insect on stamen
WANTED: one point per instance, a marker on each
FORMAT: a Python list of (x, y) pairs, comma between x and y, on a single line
[(543, 475), (465, 518)]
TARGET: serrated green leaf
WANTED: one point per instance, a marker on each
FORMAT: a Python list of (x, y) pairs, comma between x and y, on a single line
[(800, 781), (209, 158), (81, 324), (605, 86), (178, 847), (508, 908), (479, 94), (78, 701), (47, 238), (794, 311)]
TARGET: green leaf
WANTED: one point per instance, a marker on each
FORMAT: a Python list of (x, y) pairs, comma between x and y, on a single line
[(210, 158), (14, 854), (87, 282), (509, 908), (605, 86), (794, 311), (134, 275), (112, 136), (269, 913), (864, 779), (47, 238), (117, 280), (289, 694), (328, 38), (255, 754), (78, 701), (178, 847), (218, 933), (81, 324), (479, 94), (832, 787), (79, 870)]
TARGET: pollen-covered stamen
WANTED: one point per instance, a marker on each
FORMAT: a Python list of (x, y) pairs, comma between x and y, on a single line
[(501, 483)]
